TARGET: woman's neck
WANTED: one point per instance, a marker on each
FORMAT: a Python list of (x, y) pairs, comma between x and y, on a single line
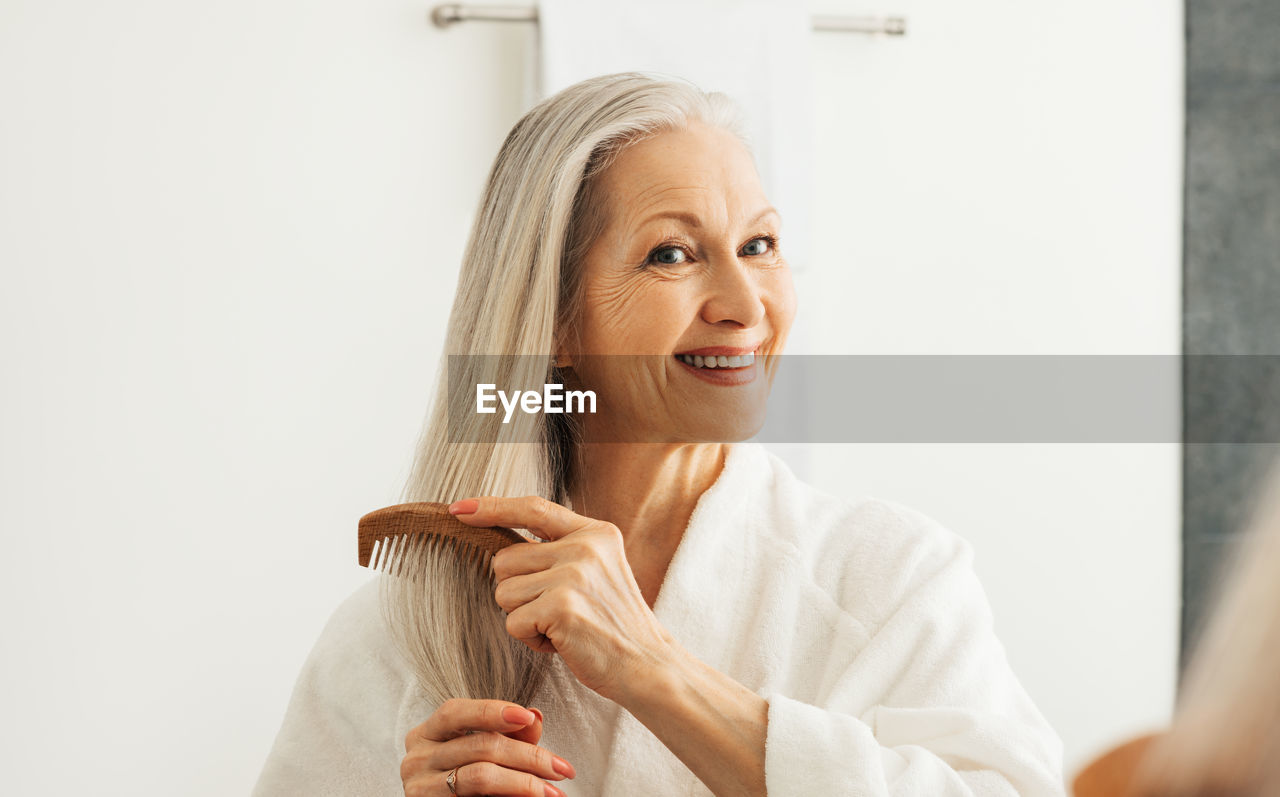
[(643, 488), (648, 491)]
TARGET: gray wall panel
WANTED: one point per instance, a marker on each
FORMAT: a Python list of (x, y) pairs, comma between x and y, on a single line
[(1231, 269)]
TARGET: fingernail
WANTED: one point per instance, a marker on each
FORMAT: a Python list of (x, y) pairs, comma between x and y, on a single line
[(552, 791), (535, 711), (517, 715), (464, 507), (562, 767)]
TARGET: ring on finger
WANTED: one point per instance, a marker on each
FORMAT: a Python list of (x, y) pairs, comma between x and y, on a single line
[(452, 780)]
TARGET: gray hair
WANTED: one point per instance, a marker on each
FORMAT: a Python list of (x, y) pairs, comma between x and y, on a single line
[(519, 288)]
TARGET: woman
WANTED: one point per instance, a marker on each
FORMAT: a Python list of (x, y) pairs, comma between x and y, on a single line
[(697, 620), (1225, 736)]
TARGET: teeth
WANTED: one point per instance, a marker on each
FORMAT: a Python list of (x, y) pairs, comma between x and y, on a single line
[(718, 361)]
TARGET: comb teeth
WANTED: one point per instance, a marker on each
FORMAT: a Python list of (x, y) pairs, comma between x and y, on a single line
[(415, 543), (391, 555), (388, 537)]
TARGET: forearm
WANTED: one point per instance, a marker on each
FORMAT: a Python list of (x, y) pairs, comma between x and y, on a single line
[(712, 723)]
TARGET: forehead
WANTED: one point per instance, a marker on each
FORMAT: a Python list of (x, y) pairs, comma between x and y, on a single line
[(702, 168)]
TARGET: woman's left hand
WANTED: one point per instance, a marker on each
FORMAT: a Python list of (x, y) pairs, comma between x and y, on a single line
[(574, 595)]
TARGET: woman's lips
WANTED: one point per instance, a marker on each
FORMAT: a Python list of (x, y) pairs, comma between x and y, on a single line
[(727, 351)]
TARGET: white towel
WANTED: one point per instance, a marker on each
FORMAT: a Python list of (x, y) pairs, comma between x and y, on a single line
[(755, 52)]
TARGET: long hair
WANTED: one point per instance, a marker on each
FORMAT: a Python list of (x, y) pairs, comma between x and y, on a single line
[(1225, 736), (518, 290)]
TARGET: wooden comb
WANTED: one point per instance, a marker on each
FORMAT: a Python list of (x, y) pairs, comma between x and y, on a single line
[(385, 535)]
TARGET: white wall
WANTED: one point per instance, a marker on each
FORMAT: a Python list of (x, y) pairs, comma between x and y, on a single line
[(1006, 179), (228, 236)]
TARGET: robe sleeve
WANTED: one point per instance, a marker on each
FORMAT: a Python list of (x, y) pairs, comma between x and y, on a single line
[(337, 737), (929, 706)]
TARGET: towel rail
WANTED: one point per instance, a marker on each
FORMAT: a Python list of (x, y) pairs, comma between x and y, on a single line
[(448, 13)]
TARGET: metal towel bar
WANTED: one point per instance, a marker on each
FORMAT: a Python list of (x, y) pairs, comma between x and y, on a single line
[(449, 13)]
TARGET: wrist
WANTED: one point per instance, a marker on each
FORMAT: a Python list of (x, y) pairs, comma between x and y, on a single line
[(652, 676)]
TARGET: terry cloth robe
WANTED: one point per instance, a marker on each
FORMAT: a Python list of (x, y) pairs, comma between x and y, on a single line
[(860, 622)]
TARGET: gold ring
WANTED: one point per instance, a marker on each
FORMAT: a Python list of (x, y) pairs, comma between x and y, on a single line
[(452, 780)]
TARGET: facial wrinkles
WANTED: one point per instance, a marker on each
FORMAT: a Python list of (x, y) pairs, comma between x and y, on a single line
[(616, 308), (620, 285), (619, 314), (617, 283), (706, 204), (611, 300)]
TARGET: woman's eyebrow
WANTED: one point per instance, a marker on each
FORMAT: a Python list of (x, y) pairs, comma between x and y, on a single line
[(692, 219), (769, 211), (688, 218)]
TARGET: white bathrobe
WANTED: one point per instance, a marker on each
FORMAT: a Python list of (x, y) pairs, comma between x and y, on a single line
[(860, 621)]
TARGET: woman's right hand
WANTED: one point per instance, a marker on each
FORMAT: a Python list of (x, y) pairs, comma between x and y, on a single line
[(493, 745)]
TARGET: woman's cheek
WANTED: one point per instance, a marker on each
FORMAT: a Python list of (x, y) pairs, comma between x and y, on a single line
[(611, 307)]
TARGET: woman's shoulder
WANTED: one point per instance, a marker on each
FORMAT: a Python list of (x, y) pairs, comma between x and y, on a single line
[(356, 640), (858, 545), (339, 734), (816, 520)]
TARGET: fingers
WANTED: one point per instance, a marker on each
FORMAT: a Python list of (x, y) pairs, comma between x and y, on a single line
[(495, 748), (528, 624), (457, 716), (524, 557), (531, 733), (491, 746), (515, 591), (486, 778), (547, 519)]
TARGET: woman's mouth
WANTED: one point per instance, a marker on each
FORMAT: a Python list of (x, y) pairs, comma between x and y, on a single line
[(717, 360), (734, 367)]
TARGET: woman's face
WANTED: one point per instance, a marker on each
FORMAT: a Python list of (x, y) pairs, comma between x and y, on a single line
[(688, 266)]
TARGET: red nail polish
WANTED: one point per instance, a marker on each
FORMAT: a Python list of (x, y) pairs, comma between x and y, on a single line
[(562, 767), (517, 715), (464, 507)]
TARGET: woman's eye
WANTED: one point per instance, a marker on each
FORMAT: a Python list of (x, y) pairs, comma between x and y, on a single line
[(758, 246), (676, 255), (668, 256)]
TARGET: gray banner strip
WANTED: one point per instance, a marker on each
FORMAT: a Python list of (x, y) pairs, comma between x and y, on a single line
[(944, 398)]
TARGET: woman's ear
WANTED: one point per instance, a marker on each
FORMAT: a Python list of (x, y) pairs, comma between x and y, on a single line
[(561, 358)]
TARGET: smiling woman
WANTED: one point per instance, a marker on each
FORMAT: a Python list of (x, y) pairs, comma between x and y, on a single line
[(688, 617)]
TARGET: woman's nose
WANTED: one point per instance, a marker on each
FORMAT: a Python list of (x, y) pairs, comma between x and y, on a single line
[(733, 295)]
